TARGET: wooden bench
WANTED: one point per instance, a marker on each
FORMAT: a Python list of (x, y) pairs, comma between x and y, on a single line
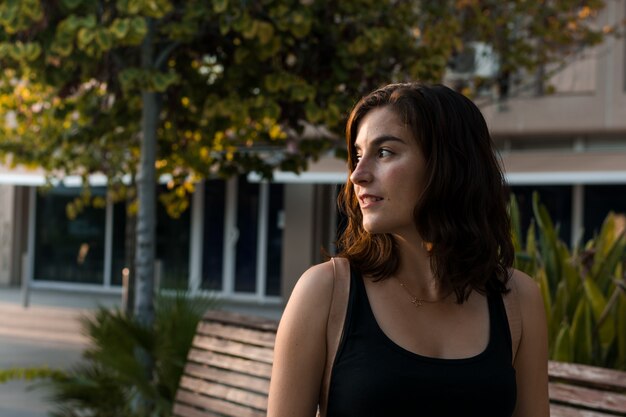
[(586, 391), (229, 366)]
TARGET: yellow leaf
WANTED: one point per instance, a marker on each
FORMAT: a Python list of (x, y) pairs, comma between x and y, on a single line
[(275, 132), (219, 6)]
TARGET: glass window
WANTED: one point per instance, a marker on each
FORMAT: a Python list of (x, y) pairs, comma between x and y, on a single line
[(172, 245), (556, 198), (213, 244), (247, 225), (599, 201), (275, 239), (120, 222), (68, 250)]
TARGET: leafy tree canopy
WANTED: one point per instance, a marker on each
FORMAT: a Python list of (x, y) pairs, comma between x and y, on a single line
[(238, 80)]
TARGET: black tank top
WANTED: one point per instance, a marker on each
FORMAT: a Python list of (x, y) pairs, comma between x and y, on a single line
[(374, 377)]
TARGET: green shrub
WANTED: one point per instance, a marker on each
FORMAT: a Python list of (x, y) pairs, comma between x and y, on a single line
[(584, 288), (111, 380)]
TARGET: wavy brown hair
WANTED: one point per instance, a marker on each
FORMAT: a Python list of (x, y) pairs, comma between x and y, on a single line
[(463, 207)]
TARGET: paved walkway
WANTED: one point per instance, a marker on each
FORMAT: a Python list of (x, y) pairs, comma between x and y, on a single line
[(46, 333)]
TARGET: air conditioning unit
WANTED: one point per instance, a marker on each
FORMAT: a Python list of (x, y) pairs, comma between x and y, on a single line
[(477, 59)]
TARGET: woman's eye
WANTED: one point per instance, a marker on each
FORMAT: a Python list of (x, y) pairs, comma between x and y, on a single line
[(384, 152)]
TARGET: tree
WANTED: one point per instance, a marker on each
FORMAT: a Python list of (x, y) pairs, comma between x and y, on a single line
[(226, 86)]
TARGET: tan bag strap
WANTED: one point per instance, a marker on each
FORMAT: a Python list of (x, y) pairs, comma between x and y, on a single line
[(511, 303), (334, 326)]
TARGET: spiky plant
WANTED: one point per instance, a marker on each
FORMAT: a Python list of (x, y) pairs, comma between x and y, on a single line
[(584, 288)]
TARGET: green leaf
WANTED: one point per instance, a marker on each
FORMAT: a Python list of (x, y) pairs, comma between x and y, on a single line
[(516, 227), (71, 4), (300, 24), (220, 6), (30, 374), (313, 112), (265, 32), (598, 305), (85, 38), (582, 339), (161, 81), (621, 330), (134, 6), (273, 83), (607, 258), (563, 346), (531, 240), (250, 30), (549, 242), (89, 21), (15, 52), (559, 304), (62, 48), (156, 8), (32, 51), (571, 276), (120, 27), (137, 31), (103, 39)]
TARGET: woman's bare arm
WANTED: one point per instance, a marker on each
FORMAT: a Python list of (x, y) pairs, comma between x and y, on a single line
[(300, 350), (531, 362)]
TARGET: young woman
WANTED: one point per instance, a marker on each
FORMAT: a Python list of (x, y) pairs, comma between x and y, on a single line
[(430, 252)]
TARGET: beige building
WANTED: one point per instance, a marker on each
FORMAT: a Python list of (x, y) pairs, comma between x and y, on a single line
[(248, 241)]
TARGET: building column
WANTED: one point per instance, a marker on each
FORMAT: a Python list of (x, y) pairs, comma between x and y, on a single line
[(196, 244), (298, 237), (7, 218), (578, 210)]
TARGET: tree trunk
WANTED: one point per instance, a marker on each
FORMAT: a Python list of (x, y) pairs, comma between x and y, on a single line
[(146, 219), (146, 190), (129, 251)]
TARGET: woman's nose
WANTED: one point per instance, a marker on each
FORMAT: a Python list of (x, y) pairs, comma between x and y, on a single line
[(362, 173)]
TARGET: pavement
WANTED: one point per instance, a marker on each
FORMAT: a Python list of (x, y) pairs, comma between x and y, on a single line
[(48, 333)]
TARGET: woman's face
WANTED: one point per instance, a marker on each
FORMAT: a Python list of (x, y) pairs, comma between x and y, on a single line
[(388, 177)]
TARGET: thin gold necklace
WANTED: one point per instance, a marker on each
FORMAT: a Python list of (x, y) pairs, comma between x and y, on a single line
[(418, 302)]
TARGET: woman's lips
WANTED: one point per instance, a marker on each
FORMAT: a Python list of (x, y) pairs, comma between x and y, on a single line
[(368, 200)]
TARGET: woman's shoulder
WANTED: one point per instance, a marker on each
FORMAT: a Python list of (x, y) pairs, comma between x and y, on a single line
[(528, 293), (313, 290), (318, 279), (524, 286)]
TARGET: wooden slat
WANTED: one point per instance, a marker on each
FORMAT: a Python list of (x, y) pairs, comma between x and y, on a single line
[(232, 395), (217, 406), (591, 399), (239, 334), (592, 376), (557, 410), (226, 317), (232, 348), (235, 379), (182, 410), (218, 360)]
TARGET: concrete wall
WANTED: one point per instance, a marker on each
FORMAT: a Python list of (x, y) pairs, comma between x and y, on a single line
[(7, 202), (592, 106), (298, 238), (13, 232)]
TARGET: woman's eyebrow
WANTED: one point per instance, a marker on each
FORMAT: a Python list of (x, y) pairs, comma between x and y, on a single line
[(378, 141)]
